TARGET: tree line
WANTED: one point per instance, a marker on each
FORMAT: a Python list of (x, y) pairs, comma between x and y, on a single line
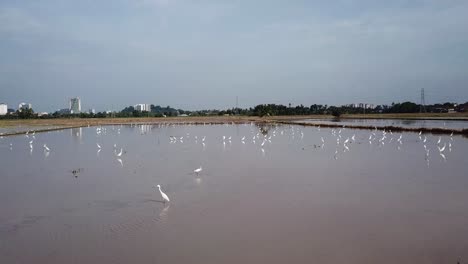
[(259, 110)]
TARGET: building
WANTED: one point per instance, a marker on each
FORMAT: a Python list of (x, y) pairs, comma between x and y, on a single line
[(3, 109), (24, 106), (75, 105), (143, 107)]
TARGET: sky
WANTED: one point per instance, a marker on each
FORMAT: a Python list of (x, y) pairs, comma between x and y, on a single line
[(203, 54)]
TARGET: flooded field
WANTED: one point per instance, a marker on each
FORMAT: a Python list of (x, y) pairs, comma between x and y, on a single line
[(407, 123), (270, 194)]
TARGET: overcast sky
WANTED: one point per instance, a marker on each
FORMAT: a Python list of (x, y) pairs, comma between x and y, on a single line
[(202, 54)]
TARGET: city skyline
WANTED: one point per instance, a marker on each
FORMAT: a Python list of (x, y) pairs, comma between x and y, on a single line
[(195, 55)]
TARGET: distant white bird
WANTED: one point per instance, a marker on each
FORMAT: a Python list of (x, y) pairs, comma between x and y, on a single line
[(353, 137), (164, 196), (46, 148), (420, 132), (30, 142), (323, 141), (99, 146), (120, 153), (443, 148), (243, 138), (197, 171), (425, 139), (438, 141)]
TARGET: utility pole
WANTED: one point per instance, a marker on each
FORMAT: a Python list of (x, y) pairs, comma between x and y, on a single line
[(237, 104), (422, 106)]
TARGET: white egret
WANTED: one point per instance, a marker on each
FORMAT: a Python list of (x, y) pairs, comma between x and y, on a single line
[(197, 171), (99, 146), (46, 148), (438, 141), (120, 153), (164, 196), (442, 149)]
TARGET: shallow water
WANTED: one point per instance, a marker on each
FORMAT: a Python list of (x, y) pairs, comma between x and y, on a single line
[(294, 201), (409, 123)]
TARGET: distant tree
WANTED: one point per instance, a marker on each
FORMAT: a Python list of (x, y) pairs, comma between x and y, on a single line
[(25, 113), (336, 112)]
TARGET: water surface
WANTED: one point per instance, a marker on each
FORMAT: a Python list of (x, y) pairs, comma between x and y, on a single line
[(407, 123), (294, 199)]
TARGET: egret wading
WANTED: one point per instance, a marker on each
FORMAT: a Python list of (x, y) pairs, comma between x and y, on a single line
[(163, 195), (197, 171)]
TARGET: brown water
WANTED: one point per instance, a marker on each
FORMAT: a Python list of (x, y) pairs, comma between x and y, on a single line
[(295, 201)]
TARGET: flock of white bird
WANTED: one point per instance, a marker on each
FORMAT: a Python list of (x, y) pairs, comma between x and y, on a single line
[(261, 137)]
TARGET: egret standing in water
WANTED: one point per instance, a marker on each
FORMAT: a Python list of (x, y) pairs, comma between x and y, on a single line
[(197, 171), (46, 148), (120, 153), (164, 196)]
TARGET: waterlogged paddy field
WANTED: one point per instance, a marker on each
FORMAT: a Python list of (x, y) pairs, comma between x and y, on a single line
[(407, 123), (295, 199)]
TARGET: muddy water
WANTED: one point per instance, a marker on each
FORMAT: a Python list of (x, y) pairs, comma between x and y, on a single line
[(294, 199)]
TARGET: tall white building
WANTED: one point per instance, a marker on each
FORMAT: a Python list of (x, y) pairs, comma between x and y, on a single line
[(75, 105), (143, 107), (24, 106), (3, 109)]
